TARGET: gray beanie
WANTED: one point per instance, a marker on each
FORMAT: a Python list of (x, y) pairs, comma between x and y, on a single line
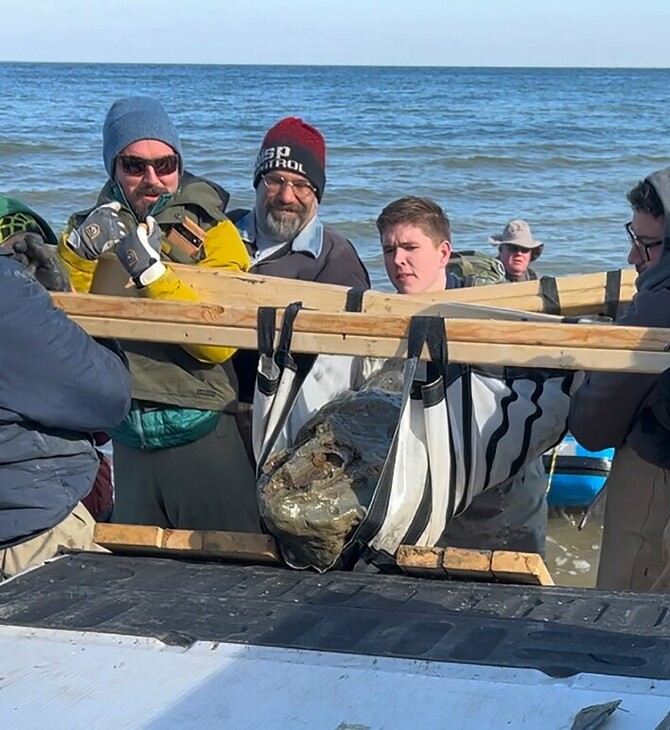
[(131, 119)]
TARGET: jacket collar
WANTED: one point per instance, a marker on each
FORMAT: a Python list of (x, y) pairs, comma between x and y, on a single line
[(309, 240)]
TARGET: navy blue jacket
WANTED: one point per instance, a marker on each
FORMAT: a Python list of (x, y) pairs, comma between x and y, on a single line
[(57, 385)]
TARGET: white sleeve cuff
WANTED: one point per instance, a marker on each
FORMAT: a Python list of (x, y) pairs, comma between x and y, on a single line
[(153, 273)]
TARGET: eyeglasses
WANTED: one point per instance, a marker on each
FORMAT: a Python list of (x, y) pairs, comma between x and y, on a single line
[(274, 183), (513, 248), (639, 243), (137, 166)]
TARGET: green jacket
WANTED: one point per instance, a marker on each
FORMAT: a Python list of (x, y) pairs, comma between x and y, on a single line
[(168, 374), (203, 200)]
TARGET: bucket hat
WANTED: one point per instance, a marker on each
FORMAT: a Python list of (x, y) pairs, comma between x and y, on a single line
[(516, 232)]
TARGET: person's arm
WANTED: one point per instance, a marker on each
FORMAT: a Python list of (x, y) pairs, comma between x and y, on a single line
[(79, 269), (223, 249), (53, 373), (604, 407), (82, 243)]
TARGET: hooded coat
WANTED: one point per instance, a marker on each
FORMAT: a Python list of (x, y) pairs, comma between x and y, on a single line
[(608, 410)]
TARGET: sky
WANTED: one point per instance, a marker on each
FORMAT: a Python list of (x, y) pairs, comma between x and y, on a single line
[(619, 33)]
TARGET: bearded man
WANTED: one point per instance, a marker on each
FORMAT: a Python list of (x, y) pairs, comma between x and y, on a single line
[(178, 459), (283, 233)]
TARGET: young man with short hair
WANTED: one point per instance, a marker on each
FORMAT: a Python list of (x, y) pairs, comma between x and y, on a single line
[(416, 242)]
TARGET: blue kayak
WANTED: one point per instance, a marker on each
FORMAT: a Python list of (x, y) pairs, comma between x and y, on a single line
[(575, 475)]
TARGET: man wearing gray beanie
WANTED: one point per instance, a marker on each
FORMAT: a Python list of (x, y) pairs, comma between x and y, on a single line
[(179, 460)]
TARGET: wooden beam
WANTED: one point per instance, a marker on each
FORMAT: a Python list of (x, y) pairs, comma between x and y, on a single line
[(555, 333), (463, 564), (515, 567), (193, 544), (421, 561), (583, 294), (524, 344), (502, 566)]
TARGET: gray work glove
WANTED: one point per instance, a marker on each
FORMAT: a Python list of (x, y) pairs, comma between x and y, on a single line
[(41, 259), (139, 253), (101, 231)]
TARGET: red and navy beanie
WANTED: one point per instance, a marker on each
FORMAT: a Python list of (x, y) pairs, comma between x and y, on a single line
[(293, 146)]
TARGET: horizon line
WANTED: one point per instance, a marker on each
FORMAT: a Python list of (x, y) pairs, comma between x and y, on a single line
[(335, 65)]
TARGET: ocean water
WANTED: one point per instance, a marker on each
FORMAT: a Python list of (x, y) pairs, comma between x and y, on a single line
[(558, 147)]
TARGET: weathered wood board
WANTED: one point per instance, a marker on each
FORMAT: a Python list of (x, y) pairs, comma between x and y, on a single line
[(500, 566), (196, 544), (582, 294), (525, 344)]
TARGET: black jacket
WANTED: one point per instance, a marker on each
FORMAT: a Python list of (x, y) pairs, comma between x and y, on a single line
[(336, 263)]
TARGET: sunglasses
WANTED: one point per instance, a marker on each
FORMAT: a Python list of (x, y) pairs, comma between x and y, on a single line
[(639, 243), (137, 166), (513, 248)]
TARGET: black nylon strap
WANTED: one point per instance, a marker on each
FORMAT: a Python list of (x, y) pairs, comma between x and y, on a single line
[(283, 355), (354, 300), (416, 337), (549, 293), (265, 329), (437, 348), (612, 292), (429, 330)]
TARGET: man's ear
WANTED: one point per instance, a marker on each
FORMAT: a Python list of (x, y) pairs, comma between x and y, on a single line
[(444, 250)]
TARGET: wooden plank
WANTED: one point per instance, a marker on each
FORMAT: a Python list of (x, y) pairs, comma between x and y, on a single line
[(241, 546), (193, 544), (582, 294), (554, 333), (515, 567), (565, 346), (182, 540), (421, 561), (135, 537), (467, 564), (502, 566)]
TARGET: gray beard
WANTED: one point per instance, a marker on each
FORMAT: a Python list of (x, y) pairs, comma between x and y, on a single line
[(281, 230)]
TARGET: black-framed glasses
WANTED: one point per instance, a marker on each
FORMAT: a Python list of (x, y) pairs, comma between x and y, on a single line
[(137, 166), (275, 182), (640, 243)]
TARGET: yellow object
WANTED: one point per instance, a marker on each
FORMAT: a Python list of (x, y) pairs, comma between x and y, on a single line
[(223, 249), (80, 270)]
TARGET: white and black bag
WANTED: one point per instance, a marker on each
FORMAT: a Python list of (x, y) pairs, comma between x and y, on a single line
[(461, 429), (290, 389)]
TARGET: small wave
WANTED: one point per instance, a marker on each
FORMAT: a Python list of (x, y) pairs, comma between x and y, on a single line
[(21, 148)]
